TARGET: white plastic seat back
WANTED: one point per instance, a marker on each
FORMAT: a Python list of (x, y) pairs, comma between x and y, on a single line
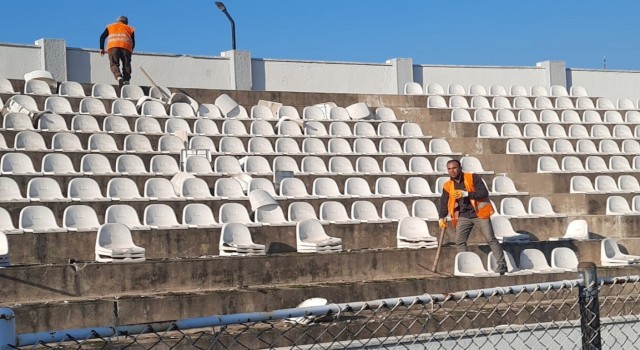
[(159, 189), (152, 108), (384, 114), (333, 211), (130, 164), (195, 188), (287, 111), (132, 92), (357, 186), (534, 259), (44, 189), (198, 215), (311, 237), (595, 163), (231, 145), (436, 101), (367, 165), (521, 102), (425, 209), (114, 243), (364, 146), (93, 106), (58, 104), (339, 113), (394, 209), (326, 187), (410, 129), (57, 163), (340, 165), (293, 187), (37, 87), (17, 121), (209, 111), (227, 165), (418, 186), (388, 186), (358, 111), (198, 165), (413, 88), (122, 188), (28, 140), (391, 146), (37, 218), (540, 206), (287, 145), (80, 218), (69, 88), (517, 146), (340, 129), (580, 184), (147, 125), (233, 212), (205, 127), (170, 144), (563, 146), (84, 189), (202, 142), (433, 88), (228, 188), (339, 146), (555, 130), (572, 164), (617, 205), (285, 163), (161, 216), (313, 165), (564, 258), (123, 214), (10, 191), (137, 144), (503, 184), (313, 146), (102, 143), (619, 163), (259, 145), (175, 125), (365, 211), (164, 164), (394, 165), (101, 90), (182, 110), (470, 264), (628, 183)]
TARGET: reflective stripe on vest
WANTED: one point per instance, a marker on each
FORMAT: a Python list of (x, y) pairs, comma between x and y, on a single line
[(120, 36), (482, 206)]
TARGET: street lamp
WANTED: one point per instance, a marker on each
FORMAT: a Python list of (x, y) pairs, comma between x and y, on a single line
[(223, 8)]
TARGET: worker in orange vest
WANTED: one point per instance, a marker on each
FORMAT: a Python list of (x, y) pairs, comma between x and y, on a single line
[(465, 199), (121, 41)]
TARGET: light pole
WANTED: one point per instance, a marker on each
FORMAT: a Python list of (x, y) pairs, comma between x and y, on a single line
[(223, 8)]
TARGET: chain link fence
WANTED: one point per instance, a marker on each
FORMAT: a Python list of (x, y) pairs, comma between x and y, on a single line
[(587, 313)]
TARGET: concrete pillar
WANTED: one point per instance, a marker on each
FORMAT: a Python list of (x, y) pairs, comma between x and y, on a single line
[(555, 73), (403, 70), (53, 57), (239, 69)]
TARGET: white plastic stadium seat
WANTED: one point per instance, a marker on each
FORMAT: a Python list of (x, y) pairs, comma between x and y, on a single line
[(114, 243), (38, 218), (470, 264), (311, 238), (610, 254), (235, 240), (534, 260), (161, 217), (80, 218), (198, 215)]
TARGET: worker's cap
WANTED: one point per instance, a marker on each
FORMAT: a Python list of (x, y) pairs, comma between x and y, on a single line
[(123, 19)]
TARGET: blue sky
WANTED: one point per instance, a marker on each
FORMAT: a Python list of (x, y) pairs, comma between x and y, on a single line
[(494, 33)]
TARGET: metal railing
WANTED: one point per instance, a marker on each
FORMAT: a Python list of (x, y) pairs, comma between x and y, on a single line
[(587, 313)]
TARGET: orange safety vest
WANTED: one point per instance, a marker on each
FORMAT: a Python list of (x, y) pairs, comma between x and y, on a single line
[(120, 36), (482, 206)]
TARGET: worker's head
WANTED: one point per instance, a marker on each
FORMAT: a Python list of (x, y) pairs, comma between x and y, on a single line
[(454, 168), (123, 19)]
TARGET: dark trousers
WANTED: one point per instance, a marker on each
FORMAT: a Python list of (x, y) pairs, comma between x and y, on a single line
[(116, 56), (463, 230)]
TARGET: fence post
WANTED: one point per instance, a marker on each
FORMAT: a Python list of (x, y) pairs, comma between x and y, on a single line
[(589, 307), (7, 329)]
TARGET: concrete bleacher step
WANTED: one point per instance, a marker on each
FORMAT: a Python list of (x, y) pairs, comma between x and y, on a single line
[(165, 290)]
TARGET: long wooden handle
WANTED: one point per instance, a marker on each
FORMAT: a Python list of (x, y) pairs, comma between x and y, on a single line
[(440, 242), (154, 84)]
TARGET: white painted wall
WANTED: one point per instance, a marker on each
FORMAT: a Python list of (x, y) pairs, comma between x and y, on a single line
[(87, 66), (16, 60), (223, 73), (338, 77), (606, 83)]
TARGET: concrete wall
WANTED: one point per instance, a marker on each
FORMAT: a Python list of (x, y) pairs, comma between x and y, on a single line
[(237, 70), (606, 83), (338, 77)]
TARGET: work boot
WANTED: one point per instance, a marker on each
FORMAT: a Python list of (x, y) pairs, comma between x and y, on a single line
[(126, 82), (502, 268), (120, 82)]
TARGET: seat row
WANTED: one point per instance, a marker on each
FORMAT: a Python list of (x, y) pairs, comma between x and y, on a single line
[(593, 163), (144, 125), (567, 116), (515, 103), (532, 261), (604, 184), (433, 88), (565, 146), (555, 131)]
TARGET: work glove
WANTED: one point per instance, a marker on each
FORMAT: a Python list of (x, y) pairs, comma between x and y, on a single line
[(443, 223), (457, 194)]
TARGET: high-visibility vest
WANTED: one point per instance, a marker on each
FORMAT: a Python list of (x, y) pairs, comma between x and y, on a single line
[(120, 36), (482, 206)]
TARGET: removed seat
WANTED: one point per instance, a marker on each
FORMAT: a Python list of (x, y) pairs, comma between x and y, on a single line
[(235, 240), (115, 244), (413, 233), (610, 254), (311, 238)]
